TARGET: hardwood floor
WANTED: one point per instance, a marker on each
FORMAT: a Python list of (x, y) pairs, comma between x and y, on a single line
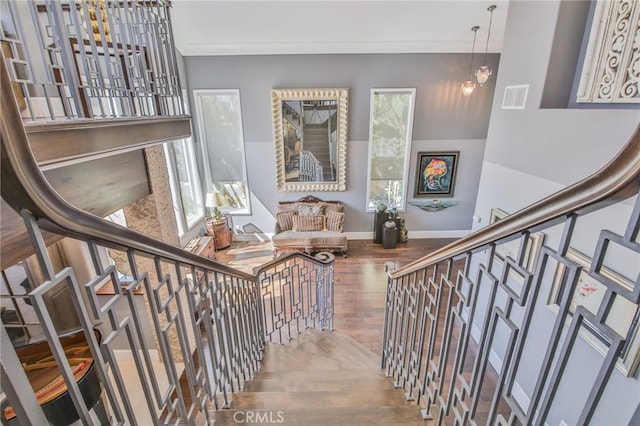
[(360, 284), (328, 378), (319, 368)]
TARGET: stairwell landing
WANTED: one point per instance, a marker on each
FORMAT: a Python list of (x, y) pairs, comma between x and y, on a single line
[(320, 378)]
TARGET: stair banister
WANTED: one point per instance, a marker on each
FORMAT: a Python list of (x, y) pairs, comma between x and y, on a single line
[(24, 186), (619, 179), (464, 313), (225, 308)]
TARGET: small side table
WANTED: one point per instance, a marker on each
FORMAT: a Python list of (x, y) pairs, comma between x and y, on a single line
[(219, 230)]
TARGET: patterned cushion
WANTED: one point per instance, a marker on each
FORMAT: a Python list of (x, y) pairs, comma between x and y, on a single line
[(334, 207), (291, 207), (310, 209), (308, 223), (335, 221), (285, 220)]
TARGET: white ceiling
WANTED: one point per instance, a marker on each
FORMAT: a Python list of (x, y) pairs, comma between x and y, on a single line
[(238, 27)]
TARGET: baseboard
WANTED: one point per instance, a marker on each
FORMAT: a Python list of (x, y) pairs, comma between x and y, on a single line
[(359, 235), (413, 234), (517, 392)]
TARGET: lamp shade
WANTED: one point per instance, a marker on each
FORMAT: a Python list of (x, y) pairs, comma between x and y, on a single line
[(468, 87), (482, 74), (212, 199)]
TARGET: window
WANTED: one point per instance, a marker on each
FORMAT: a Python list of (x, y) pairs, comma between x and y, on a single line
[(220, 132), (184, 181), (390, 127)]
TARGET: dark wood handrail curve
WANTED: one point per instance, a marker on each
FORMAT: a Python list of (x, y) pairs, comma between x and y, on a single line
[(25, 187), (617, 180)]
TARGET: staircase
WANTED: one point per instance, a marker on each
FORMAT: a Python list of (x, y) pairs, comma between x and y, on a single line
[(320, 378), (316, 141)]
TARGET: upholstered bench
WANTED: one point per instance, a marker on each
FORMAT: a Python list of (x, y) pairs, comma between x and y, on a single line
[(309, 225)]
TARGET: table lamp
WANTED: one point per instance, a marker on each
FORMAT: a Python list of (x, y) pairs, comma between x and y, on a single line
[(212, 202)]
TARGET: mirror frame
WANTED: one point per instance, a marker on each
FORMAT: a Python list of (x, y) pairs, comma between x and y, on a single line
[(341, 95)]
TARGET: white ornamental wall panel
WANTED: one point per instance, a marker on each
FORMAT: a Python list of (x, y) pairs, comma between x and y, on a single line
[(611, 70)]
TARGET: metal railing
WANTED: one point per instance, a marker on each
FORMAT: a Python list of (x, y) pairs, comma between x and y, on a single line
[(178, 333), (490, 329), (71, 59)]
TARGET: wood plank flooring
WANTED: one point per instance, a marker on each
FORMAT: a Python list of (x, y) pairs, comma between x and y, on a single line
[(298, 376), (360, 284)]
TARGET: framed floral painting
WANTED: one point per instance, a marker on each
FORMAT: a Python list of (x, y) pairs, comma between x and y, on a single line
[(436, 174)]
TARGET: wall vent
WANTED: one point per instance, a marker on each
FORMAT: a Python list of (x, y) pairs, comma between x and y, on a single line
[(515, 96)]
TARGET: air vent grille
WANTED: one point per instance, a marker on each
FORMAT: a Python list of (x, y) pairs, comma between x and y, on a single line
[(515, 97)]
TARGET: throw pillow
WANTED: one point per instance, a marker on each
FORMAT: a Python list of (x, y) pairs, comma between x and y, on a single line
[(308, 223), (287, 207), (335, 207), (310, 210), (285, 220), (335, 221)]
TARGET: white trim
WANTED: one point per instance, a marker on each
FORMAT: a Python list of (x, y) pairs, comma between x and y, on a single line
[(413, 234), (205, 144), (520, 396), (323, 47), (517, 391), (407, 143)]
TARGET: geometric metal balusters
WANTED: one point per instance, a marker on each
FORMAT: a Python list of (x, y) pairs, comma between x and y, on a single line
[(175, 340), (91, 59), (459, 336)]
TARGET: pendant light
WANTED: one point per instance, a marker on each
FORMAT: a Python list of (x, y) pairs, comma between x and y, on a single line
[(469, 86), (483, 73)]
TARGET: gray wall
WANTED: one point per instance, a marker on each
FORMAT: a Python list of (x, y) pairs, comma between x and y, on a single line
[(534, 152), (444, 120)]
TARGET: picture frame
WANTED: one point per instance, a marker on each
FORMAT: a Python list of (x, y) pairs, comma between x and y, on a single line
[(436, 173), (532, 250), (310, 162), (589, 292)]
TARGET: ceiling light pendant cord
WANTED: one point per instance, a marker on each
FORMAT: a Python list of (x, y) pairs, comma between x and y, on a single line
[(483, 73), (473, 47)]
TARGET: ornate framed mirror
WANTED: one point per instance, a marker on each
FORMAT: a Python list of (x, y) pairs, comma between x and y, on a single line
[(310, 138)]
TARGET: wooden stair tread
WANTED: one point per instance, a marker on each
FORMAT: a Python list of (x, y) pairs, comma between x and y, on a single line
[(349, 396), (317, 415), (321, 378), (334, 380), (322, 350)]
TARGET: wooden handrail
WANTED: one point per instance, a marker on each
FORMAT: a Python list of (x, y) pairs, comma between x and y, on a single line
[(25, 187), (617, 180)]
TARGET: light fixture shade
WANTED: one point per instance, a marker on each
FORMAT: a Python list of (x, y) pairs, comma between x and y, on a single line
[(468, 87), (212, 199), (482, 74)]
